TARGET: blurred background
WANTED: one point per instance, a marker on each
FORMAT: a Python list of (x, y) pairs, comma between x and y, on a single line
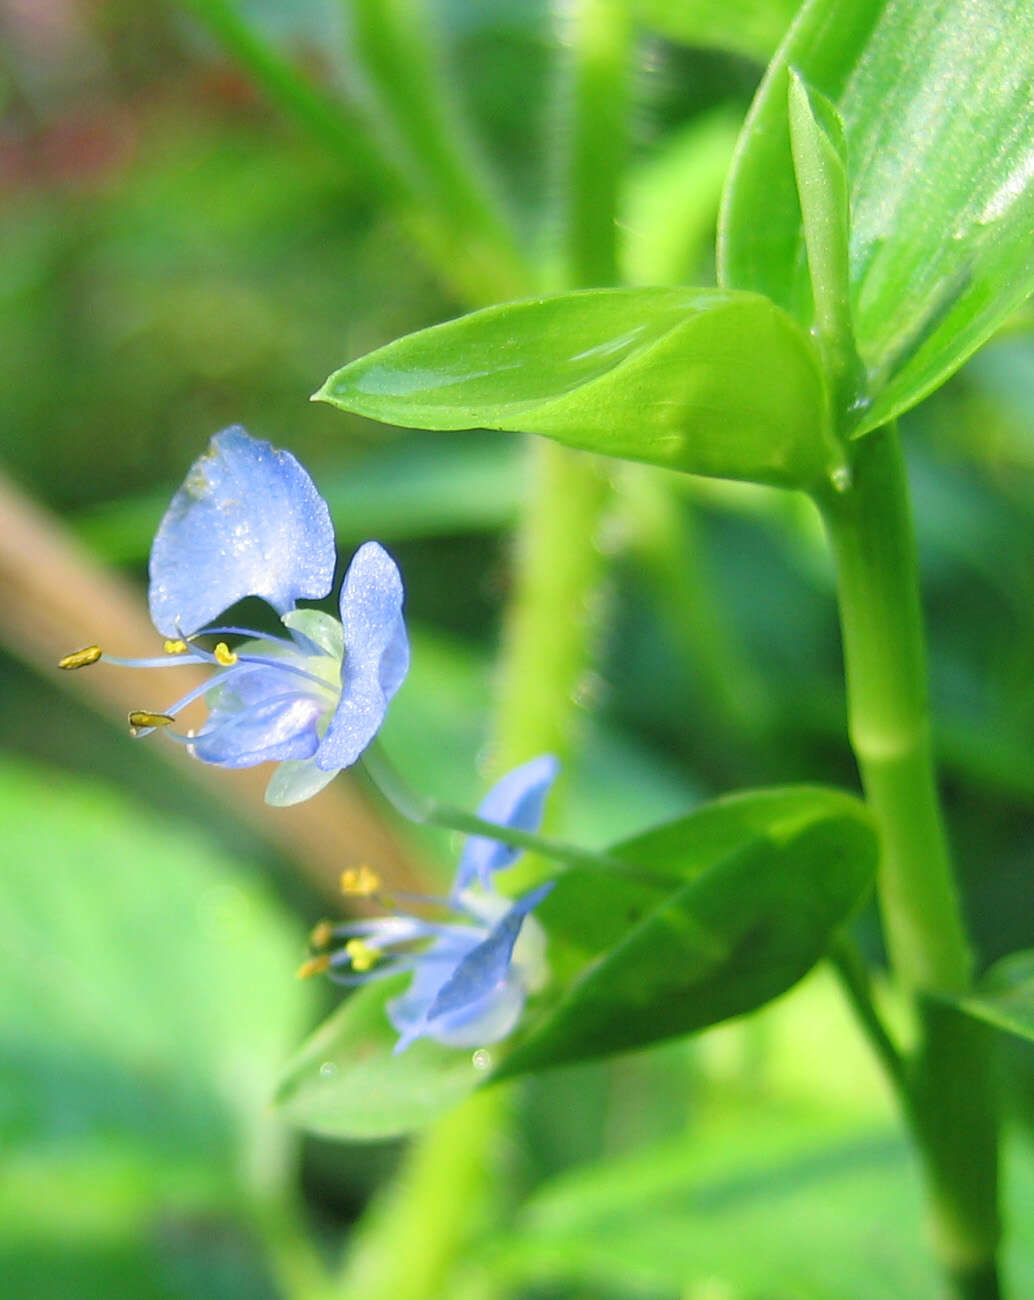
[(179, 254)]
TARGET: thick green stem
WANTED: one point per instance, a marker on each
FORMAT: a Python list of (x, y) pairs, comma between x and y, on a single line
[(599, 38), (550, 620), (952, 1108)]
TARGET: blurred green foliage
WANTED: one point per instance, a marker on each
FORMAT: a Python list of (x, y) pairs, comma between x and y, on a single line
[(174, 257)]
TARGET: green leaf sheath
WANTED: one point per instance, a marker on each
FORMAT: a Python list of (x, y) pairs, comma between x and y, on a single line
[(700, 380), (939, 132), (727, 938), (345, 1082), (820, 164)]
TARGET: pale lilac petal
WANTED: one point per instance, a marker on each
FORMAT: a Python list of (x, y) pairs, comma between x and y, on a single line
[(517, 800), (258, 715), (475, 999), (247, 521), (376, 655)]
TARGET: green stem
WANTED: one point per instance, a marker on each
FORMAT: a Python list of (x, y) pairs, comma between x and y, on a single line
[(599, 37), (415, 1232), (952, 1107), (550, 621), (665, 538), (424, 811), (324, 118), (545, 656), (853, 974), (481, 267), (396, 54)]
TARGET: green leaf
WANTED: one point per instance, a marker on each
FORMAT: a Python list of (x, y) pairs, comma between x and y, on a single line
[(671, 200), (1005, 995), (939, 129), (700, 380), (345, 1082), (149, 1002), (764, 1198), (751, 914)]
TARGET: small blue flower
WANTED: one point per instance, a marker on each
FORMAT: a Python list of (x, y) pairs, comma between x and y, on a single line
[(516, 800), (471, 974), (248, 521)]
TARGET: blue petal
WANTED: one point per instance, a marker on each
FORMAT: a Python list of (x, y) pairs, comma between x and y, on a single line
[(247, 521), (516, 800), (376, 655), (480, 997), (259, 716)]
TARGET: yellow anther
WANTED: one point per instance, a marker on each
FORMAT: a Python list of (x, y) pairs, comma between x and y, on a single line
[(360, 880), (141, 720), (361, 955), (322, 934), (224, 655), (314, 966), (81, 658), (177, 647)]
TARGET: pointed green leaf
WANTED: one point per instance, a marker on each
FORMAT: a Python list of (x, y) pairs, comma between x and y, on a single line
[(700, 380), (1005, 996), (820, 165), (346, 1082), (751, 914), (939, 126)]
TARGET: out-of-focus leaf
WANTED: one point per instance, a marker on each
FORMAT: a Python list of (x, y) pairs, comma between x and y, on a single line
[(939, 124), (1005, 995), (750, 27), (347, 1083), (671, 200), (149, 1001), (655, 375), (754, 914), (741, 1202)]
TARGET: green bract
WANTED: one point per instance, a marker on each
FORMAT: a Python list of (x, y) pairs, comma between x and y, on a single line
[(701, 380), (345, 1081), (939, 130)]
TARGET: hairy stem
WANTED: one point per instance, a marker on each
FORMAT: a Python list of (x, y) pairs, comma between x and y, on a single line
[(952, 1106), (397, 57), (546, 650)]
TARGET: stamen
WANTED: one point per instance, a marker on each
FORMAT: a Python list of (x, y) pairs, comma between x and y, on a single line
[(361, 955), (314, 966), (224, 655), (322, 934), (178, 647), (81, 658), (141, 722), (361, 881)]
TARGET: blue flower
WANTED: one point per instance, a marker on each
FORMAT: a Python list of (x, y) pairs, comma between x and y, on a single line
[(248, 521), (471, 973), (516, 800)]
